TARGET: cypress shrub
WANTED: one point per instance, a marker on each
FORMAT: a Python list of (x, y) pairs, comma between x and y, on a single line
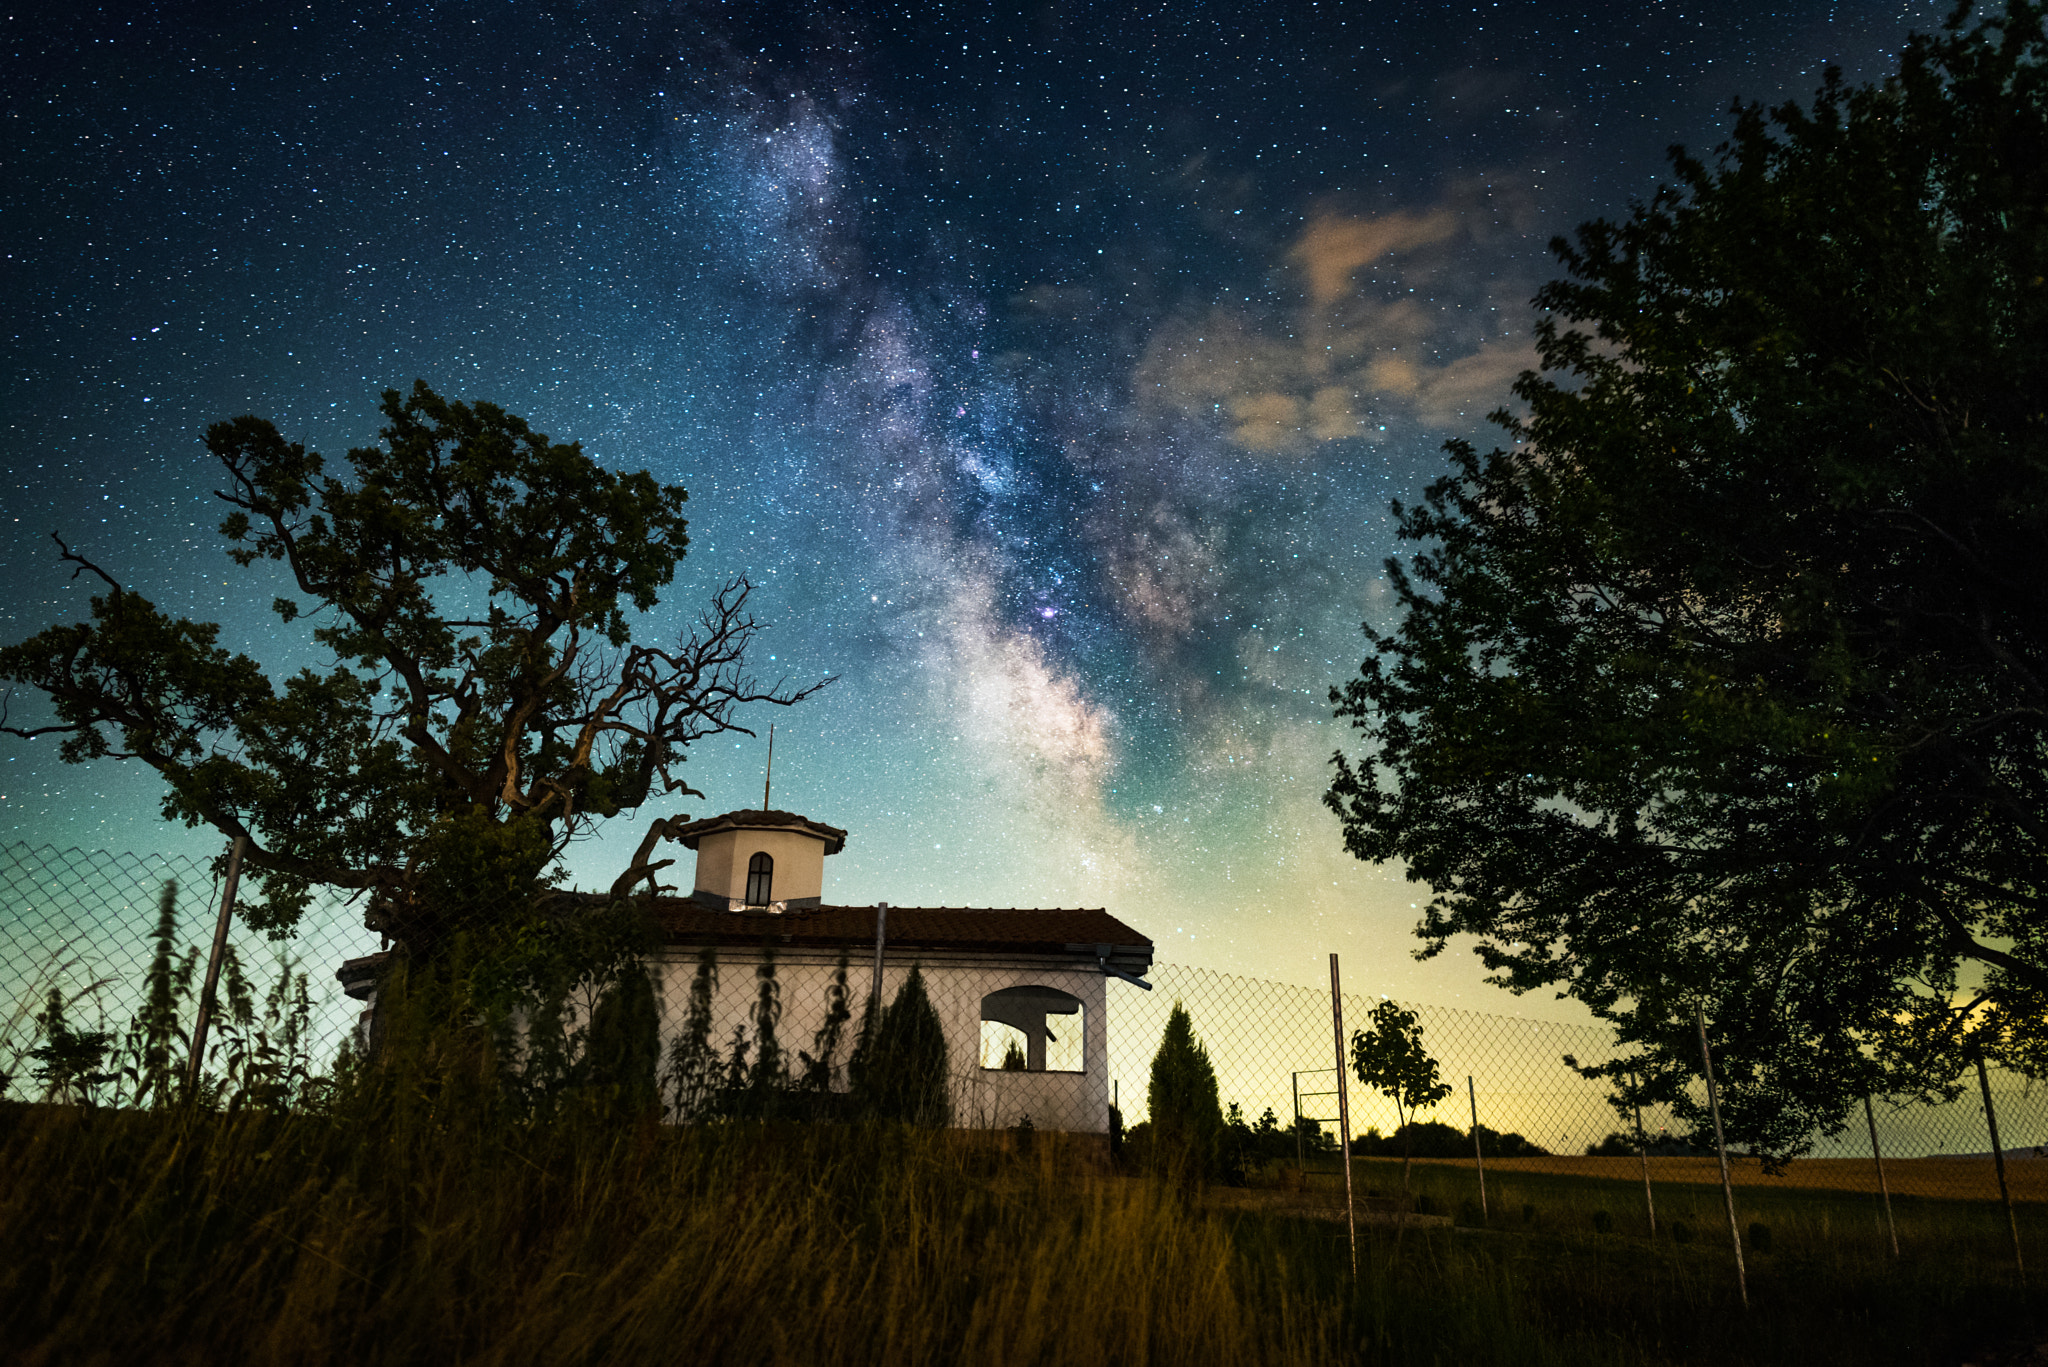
[(1186, 1114)]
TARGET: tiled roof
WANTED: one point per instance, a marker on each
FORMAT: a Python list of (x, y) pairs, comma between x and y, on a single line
[(754, 818), (1015, 929)]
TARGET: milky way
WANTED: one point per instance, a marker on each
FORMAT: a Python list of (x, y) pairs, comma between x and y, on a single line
[(1050, 371)]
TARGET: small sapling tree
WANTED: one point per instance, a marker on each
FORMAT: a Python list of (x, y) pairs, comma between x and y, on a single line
[(1389, 1058)]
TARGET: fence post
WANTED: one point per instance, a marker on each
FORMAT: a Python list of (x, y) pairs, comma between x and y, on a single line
[(1300, 1146), (881, 937), (1870, 1119), (1998, 1161), (220, 941), (1721, 1148), (1478, 1154), (1343, 1112), (1643, 1152)]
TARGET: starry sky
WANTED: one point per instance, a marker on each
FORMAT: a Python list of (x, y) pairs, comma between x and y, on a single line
[(1050, 369)]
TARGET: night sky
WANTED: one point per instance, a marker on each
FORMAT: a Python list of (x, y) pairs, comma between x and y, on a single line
[(1050, 370)]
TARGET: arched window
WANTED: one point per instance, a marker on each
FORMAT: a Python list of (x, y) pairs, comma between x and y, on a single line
[(760, 875), (1015, 1018)]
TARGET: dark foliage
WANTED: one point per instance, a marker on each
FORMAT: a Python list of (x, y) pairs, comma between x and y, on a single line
[(899, 1071), (485, 702), (1434, 1139), (1185, 1115)]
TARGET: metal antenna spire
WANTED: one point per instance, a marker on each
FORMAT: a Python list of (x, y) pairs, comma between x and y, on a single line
[(769, 776)]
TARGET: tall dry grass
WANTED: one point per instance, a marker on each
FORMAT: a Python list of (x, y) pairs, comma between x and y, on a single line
[(409, 1211), (426, 1234), (172, 1237)]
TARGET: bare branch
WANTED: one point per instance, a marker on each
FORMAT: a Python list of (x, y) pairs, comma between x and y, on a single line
[(84, 565)]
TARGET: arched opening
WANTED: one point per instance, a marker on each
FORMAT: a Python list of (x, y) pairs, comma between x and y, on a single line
[(1015, 1019), (760, 879)]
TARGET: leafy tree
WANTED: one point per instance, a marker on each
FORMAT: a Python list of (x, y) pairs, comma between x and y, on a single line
[(623, 1052), (1269, 1140), (1186, 1115), (1310, 1137), (471, 581), (1389, 1057), (1509, 1145), (1614, 1144), (1434, 1139), (1725, 682)]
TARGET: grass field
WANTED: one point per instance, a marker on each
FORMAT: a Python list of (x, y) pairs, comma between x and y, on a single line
[(403, 1231)]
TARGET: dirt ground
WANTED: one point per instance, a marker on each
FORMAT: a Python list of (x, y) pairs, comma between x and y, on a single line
[(1953, 1178)]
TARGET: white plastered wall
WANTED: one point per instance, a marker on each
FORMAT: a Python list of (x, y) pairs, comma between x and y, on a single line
[(983, 1098)]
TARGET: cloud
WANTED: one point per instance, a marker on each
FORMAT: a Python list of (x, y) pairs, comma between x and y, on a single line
[(1332, 248), (1386, 327)]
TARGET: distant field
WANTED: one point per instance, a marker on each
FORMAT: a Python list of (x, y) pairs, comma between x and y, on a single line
[(1953, 1178)]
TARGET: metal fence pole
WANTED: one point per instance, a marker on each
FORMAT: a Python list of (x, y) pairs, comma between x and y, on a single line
[(1721, 1148), (881, 938), (1478, 1154), (1343, 1111), (1300, 1145), (1643, 1152), (220, 942), (1870, 1119), (1998, 1161)]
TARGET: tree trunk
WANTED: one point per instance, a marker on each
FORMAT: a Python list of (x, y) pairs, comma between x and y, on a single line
[(1407, 1144)]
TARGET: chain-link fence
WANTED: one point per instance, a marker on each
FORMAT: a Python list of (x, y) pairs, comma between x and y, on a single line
[(1037, 1040), (78, 940), (1272, 1046)]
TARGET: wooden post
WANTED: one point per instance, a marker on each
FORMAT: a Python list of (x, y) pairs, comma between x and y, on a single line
[(1721, 1148), (197, 1060), (1870, 1119), (1343, 1112), (1478, 1154), (1643, 1152), (1998, 1161)]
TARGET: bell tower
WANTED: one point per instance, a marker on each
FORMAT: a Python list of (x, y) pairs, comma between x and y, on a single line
[(761, 860)]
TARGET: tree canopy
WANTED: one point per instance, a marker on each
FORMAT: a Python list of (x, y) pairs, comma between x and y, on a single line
[(473, 582), (1725, 680)]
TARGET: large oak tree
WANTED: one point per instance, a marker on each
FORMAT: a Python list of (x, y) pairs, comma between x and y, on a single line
[(1725, 681), (474, 585)]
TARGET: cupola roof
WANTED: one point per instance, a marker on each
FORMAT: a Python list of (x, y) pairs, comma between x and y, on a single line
[(754, 818)]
